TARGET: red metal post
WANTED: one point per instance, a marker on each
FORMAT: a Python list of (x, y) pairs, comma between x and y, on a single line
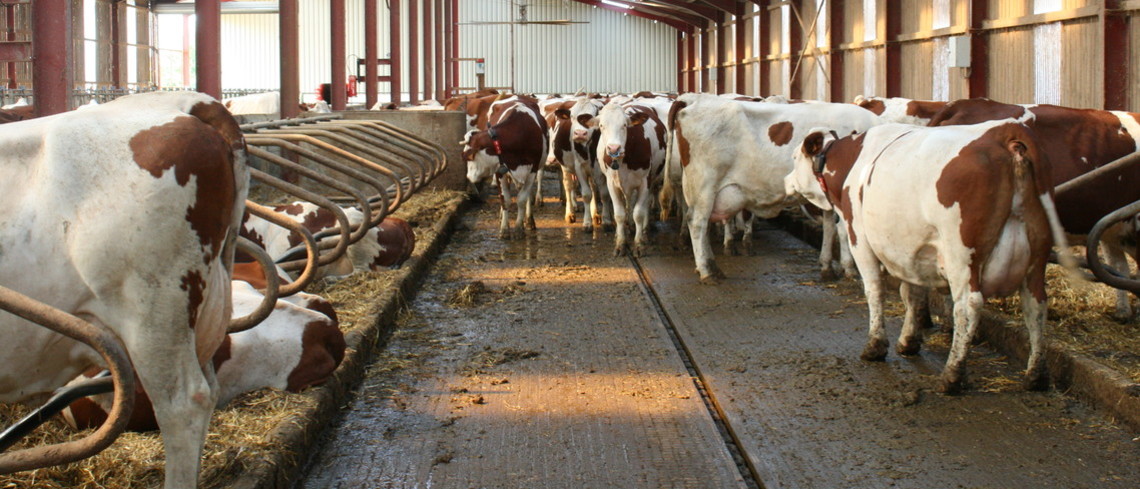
[(795, 50), (117, 40), (394, 55), (338, 92), (186, 65), (11, 16), (371, 90), (680, 61), (765, 66), (453, 28), (721, 50), (52, 78), (894, 48), (835, 18), (979, 49), (691, 64), (738, 51), (704, 61), (1116, 48), (429, 52), (209, 45), (440, 50), (413, 51), (290, 58)]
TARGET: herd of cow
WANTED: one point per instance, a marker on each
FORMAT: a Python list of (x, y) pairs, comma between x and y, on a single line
[(126, 215), (951, 196)]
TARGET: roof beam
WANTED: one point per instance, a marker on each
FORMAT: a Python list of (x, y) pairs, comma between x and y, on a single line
[(696, 8), (726, 6), (672, 22)]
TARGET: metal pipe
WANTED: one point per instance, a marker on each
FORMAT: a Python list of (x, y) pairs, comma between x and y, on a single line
[(327, 180), (413, 51), (408, 137), (371, 93), (269, 300), (285, 123), (307, 240), (377, 138), (1110, 276), (429, 49), (114, 353), (338, 93), (1116, 165), (394, 55)]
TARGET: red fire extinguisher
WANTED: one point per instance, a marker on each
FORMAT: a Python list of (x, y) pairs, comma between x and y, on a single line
[(351, 86)]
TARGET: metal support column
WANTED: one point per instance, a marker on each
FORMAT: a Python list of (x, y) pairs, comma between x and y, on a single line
[(371, 66), (721, 50), (290, 58), (691, 63), (453, 29), (52, 51), (979, 49), (413, 51), (835, 17), (738, 50), (208, 37), (394, 30), (1116, 48), (893, 24), (429, 49), (337, 91)]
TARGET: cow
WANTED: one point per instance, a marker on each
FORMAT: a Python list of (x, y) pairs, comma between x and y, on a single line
[(560, 152), (1077, 142), (901, 110), (734, 156), (584, 143), (510, 151), (476, 105), (268, 103), (127, 213), (298, 346), (631, 150), (979, 219), (383, 246)]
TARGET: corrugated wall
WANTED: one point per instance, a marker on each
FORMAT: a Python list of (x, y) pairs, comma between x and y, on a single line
[(1011, 63), (918, 69), (611, 52), (1081, 86)]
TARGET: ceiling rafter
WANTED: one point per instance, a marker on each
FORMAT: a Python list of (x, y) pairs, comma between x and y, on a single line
[(694, 7)]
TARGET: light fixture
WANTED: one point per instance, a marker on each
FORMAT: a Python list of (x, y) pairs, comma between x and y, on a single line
[(616, 4)]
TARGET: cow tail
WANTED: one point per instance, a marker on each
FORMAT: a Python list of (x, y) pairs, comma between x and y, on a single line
[(1026, 174), (668, 193)]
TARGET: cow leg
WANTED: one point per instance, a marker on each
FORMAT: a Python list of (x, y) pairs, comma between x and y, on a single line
[(1034, 310), (618, 197), (504, 212), (607, 215), (827, 272), (729, 230), (845, 259), (1114, 253), (910, 341), (641, 221), (568, 189), (746, 241), (877, 344), (699, 235), (537, 194), (525, 211), (967, 308)]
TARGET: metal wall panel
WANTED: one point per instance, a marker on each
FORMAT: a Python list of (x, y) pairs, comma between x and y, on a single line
[(917, 70), (1008, 9), (612, 52), (256, 64), (1011, 66), (1080, 85)]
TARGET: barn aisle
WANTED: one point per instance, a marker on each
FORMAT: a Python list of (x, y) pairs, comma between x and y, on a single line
[(549, 371)]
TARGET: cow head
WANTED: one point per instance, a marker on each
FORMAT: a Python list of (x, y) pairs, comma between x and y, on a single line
[(481, 152), (582, 118), (809, 162), (613, 124)]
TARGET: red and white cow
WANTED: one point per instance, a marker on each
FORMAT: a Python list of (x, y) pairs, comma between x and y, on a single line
[(1077, 142), (267, 103), (510, 151), (631, 150), (298, 346), (125, 214), (386, 245), (560, 152), (591, 182), (901, 110), (979, 220), (735, 155), (476, 105)]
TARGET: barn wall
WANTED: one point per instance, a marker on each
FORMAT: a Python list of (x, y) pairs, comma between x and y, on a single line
[(1012, 66), (1134, 63), (1079, 85), (918, 69)]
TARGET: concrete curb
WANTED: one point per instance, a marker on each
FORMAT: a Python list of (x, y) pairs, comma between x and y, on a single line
[(297, 436), (1107, 390)]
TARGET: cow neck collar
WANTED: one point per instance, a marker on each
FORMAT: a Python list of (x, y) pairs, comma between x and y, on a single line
[(819, 163), (498, 146)]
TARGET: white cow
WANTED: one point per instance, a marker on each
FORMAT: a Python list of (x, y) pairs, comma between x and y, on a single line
[(734, 156), (964, 207), (125, 214), (591, 181), (631, 153), (901, 110), (267, 103)]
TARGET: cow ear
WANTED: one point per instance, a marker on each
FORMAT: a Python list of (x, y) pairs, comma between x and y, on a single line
[(813, 143), (563, 114), (637, 119)]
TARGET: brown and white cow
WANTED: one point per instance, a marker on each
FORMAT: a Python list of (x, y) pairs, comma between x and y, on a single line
[(386, 245), (901, 110), (476, 105), (298, 346), (591, 182), (560, 152), (631, 150), (125, 214), (978, 218), (510, 152), (1077, 142), (734, 156)]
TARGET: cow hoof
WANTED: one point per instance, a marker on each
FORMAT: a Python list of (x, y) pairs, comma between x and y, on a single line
[(949, 387), (710, 280), (851, 274), (638, 251), (621, 250), (519, 234), (875, 351), (571, 219), (505, 234), (609, 228), (909, 346), (1036, 380), (828, 275)]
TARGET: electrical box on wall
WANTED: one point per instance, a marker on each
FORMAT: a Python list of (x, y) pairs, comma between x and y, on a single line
[(959, 52)]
